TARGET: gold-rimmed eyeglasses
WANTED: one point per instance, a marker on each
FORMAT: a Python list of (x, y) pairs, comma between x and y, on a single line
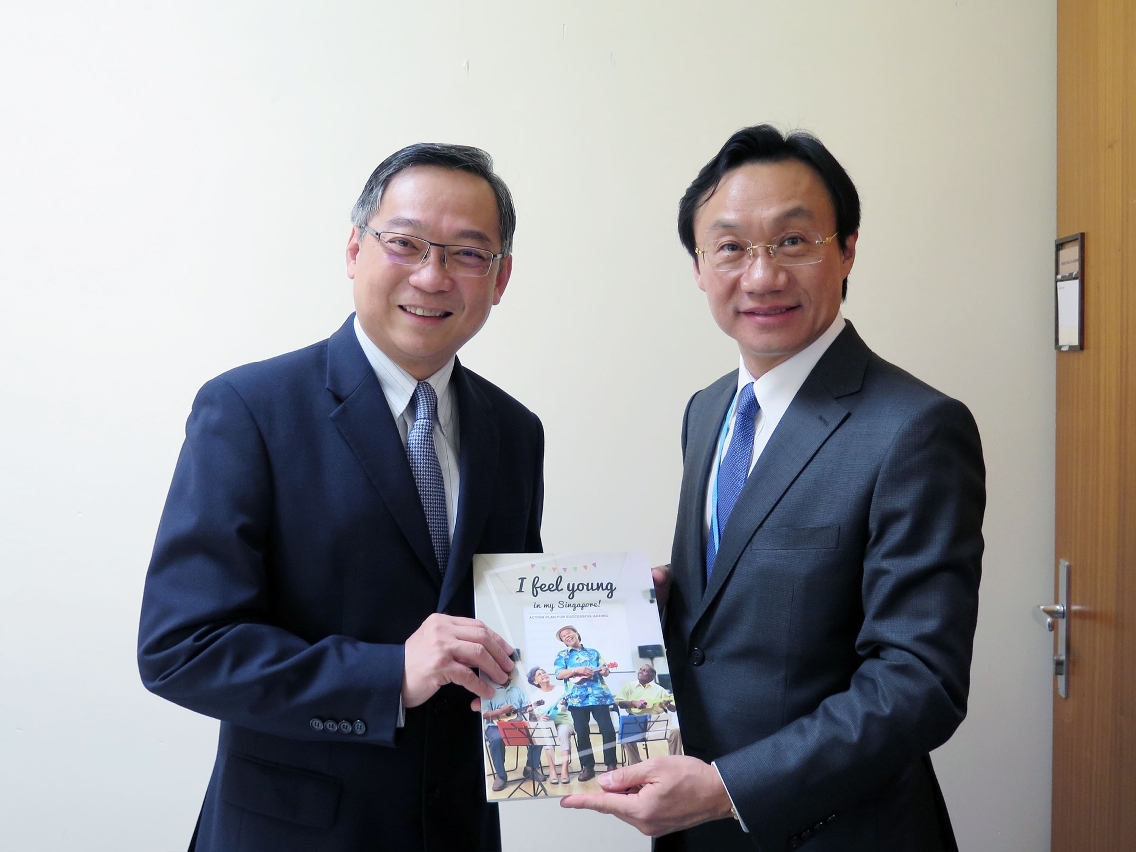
[(406, 250), (796, 248)]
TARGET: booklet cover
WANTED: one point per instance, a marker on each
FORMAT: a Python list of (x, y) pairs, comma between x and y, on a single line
[(590, 690)]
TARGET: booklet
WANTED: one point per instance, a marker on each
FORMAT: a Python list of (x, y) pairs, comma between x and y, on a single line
[(591, 686)]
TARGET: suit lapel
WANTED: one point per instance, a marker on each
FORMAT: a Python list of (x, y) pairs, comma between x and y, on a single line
[(367, 425), (698, 460), (813, 416), (477, 465)]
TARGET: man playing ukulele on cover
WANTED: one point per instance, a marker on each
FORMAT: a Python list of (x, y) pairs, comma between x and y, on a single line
[(584, 670)]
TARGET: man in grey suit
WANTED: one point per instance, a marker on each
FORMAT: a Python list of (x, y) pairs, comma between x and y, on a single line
[(823, 589)]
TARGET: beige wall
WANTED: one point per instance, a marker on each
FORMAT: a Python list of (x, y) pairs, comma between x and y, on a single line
[(174, 188)]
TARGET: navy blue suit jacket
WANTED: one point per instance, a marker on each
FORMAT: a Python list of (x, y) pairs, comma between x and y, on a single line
[(292, 562), (830, 650)]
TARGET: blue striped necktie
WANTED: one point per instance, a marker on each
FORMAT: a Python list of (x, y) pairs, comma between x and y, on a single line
[(734, 470), (427, 472)]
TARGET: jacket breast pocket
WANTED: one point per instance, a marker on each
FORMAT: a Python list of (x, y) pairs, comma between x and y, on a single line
[(282, 792), (796, 538)]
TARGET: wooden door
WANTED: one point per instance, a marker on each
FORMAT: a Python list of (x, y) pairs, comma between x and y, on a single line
[(1094, 729)]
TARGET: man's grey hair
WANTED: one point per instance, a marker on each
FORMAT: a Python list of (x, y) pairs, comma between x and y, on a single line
[(459, 157)]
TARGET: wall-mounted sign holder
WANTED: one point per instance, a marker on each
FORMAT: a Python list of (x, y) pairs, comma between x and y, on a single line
[(1069, 295)]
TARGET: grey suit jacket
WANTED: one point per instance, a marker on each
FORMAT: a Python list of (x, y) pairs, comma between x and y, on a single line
[(830, 650)]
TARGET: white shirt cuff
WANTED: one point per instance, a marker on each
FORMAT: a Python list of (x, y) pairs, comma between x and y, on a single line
[(733, 807)]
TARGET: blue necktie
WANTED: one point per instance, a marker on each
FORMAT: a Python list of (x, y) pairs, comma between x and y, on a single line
[(734, 470), (427, 472)]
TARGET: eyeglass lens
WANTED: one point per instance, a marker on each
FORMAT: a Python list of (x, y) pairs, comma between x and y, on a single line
[(460, 260), (792, 249)]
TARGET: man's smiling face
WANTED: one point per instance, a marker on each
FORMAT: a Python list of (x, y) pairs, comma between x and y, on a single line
[(421, 315), (773, 312)]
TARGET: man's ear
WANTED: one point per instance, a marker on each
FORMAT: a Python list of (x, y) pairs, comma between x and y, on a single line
[(698, 276), (849, 254), (352, 251), (503, 275)]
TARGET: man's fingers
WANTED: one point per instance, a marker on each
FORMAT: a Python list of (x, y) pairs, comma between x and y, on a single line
[(465, 676), (659, 795), (504, 649), (614, 804), (474, 632), (605, 803), (625, 778), (474, 655), (444, 649), (467, 641)]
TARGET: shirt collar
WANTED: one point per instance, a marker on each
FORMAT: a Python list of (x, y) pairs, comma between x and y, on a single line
[(398, 385), (776, 388)]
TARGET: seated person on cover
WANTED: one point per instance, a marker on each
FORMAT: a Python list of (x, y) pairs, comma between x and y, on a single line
[(507, 702), (583, 671), (644, 697), (554, 712)]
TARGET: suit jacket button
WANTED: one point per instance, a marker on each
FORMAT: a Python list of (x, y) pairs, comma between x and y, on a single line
[(317, 724), (794, 842), (331, 726), (434, 796), (697, 656), (344, 727), (359, 727)]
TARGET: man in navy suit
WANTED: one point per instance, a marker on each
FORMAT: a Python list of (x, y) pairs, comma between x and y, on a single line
[(311, 580), (823, 587)]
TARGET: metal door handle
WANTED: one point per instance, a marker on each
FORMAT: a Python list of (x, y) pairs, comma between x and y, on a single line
[(1057, 618), (1052, 612)]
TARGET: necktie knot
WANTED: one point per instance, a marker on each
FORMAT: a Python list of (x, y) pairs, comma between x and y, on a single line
[(425, 402), (747, 405)]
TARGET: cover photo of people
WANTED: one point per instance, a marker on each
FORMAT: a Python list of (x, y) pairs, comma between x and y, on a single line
[(590, 689)]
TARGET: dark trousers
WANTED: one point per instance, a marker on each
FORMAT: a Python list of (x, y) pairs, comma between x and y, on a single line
[(602, 714), (497, 752)]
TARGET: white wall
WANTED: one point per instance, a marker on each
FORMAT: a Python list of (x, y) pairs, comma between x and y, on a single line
[(175, 181)]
